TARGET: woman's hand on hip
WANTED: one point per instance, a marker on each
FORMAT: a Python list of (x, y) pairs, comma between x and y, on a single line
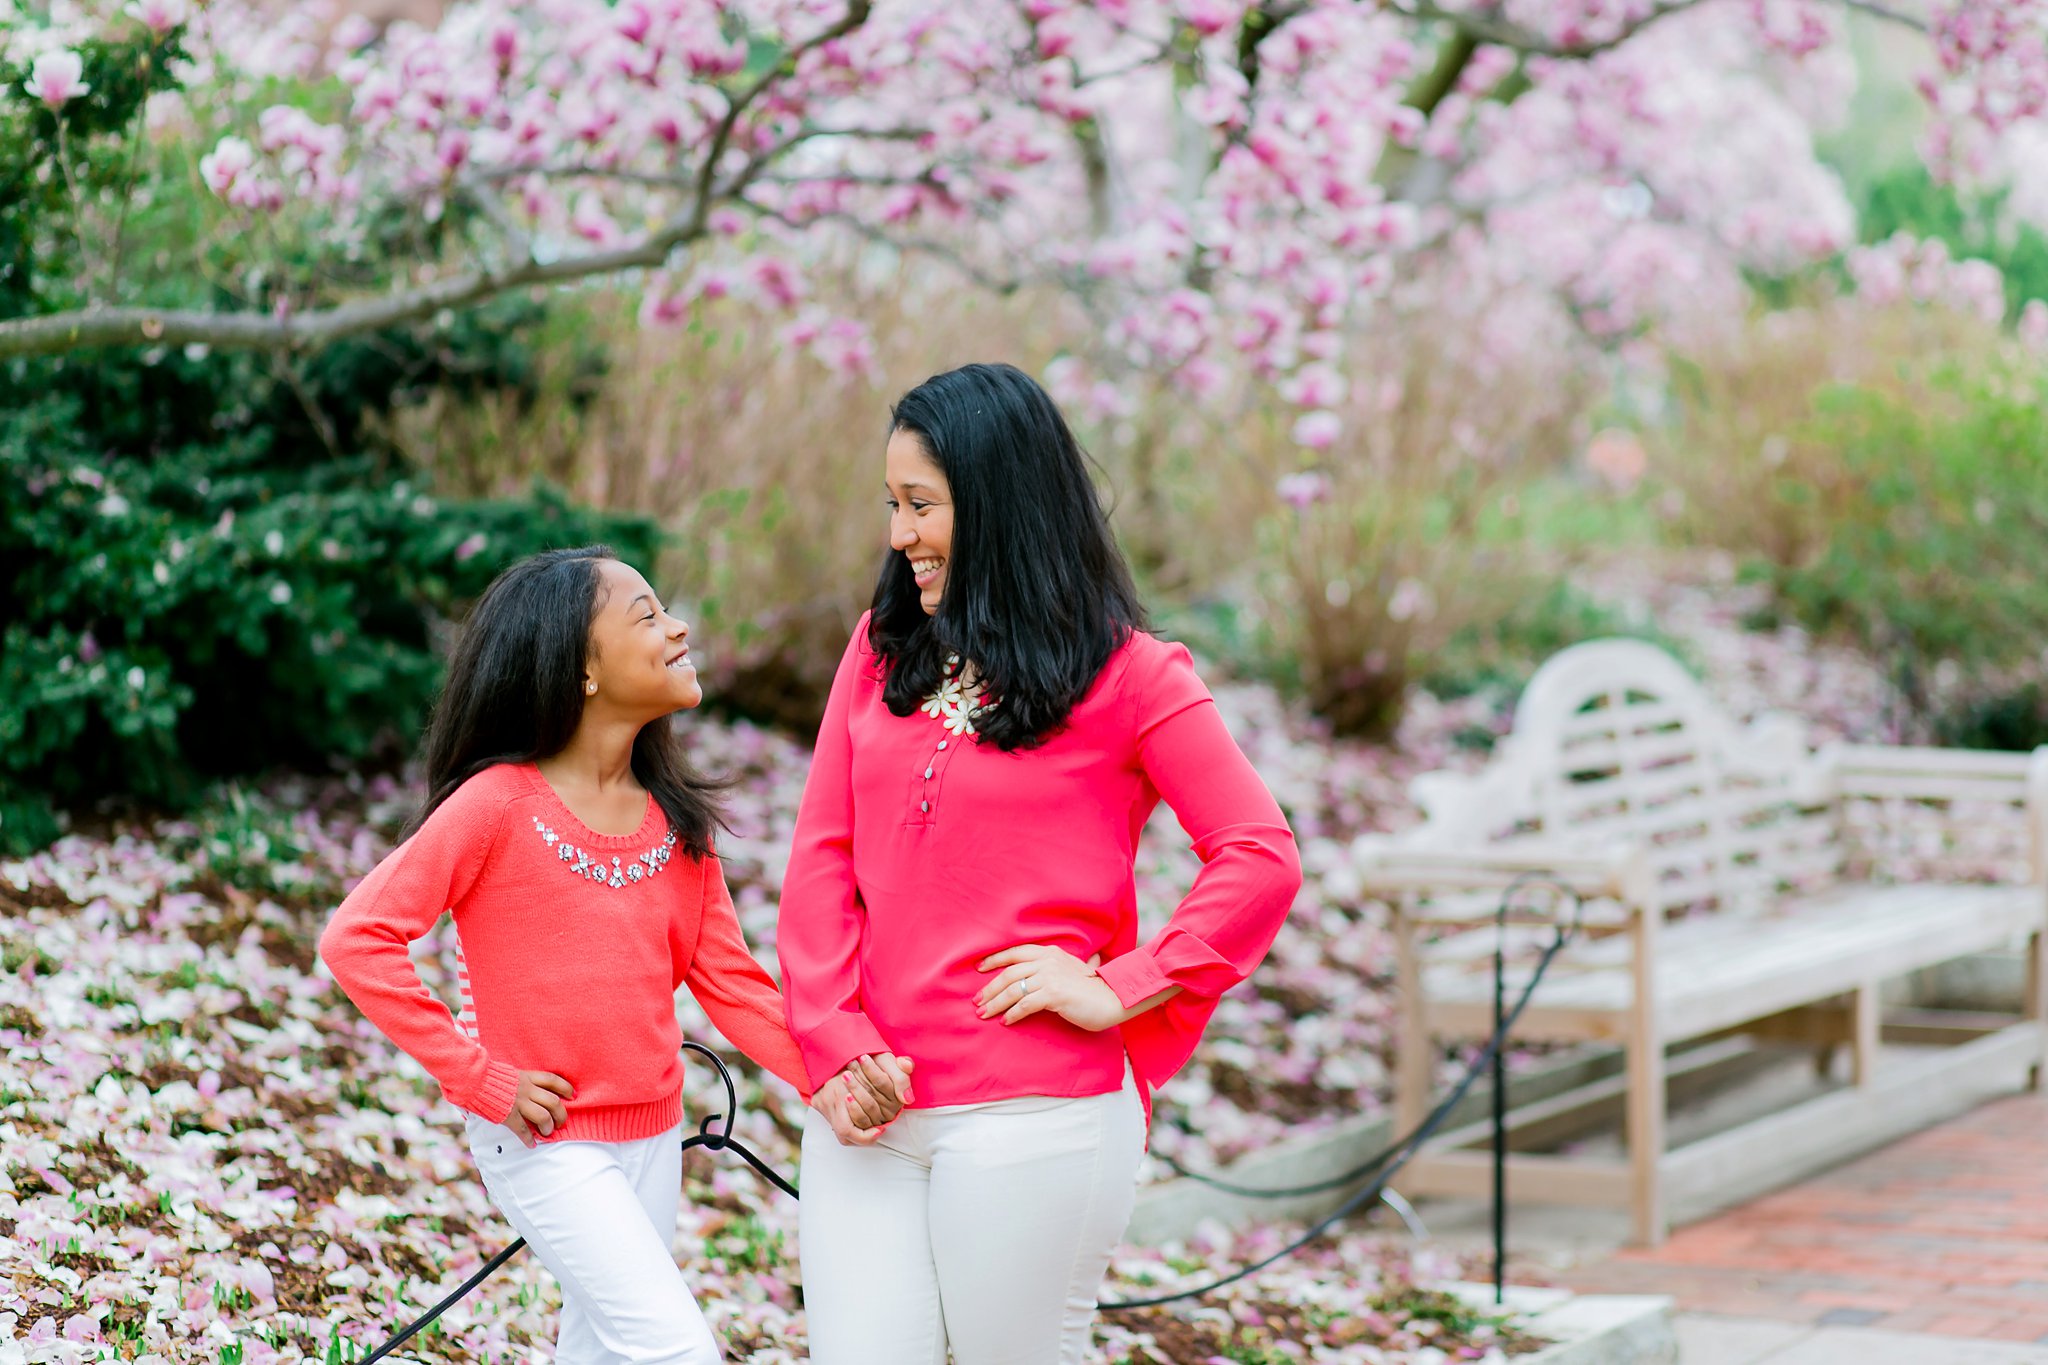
[(538, 1107), (1032, 977)]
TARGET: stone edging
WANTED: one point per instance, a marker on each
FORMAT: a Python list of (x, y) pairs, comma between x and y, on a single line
[(1590, 1329)]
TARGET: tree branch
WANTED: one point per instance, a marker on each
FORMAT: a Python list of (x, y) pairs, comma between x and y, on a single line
[(1506, 33), (285, 331), (999, 285), (1488, 27), (857, 12)]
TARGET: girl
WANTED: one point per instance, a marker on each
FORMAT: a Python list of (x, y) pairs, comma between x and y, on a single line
[(961, 892), (572, 840)]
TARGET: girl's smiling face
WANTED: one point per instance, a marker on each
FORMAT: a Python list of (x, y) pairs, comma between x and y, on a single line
[(920, 514), (640, 660)]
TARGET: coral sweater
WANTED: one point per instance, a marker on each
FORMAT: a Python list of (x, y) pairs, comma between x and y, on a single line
[(919, 852), (572, 945)]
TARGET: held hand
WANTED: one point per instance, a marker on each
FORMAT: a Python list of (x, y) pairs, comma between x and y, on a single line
[(834, 1102), (538, 1107), (1035, 977), (878, 1086)]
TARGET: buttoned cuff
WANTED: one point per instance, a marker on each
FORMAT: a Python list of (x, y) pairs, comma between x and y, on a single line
[(1135, 977)]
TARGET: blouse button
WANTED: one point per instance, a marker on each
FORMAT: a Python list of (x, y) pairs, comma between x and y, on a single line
[(924, 806), (927, 772), (942, 744)]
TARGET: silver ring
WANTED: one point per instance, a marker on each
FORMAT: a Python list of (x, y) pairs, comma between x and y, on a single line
[(1027, 985)]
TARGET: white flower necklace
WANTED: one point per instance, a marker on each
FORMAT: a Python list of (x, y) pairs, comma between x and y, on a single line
[(956, 702)]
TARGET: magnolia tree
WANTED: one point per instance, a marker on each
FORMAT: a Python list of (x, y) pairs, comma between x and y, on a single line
[(1231, 187)]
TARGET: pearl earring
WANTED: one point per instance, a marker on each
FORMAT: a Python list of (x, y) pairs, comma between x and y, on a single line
[(591, 688)]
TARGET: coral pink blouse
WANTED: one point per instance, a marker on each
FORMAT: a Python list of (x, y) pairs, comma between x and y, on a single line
[(919, 852)]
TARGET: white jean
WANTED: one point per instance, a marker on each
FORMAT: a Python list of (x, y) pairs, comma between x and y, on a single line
[(601, 1216), (985, 1228)]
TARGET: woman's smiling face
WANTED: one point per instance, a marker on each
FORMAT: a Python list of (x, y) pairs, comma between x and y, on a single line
[(640, 655), (920, 514)]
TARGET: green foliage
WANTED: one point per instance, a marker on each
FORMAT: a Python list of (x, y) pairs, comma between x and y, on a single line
[(1910, 200), (2013, 718), (1502, 649), (49, 161), (1939, 549), (200, 586), (1454, 1314), (749, 1244)]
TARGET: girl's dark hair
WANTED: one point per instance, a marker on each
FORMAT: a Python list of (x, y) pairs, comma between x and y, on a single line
[(1037, 594), (515, 693)]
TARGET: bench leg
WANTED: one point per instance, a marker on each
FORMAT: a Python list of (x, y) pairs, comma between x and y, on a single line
[(1645, 1135), (1645, 1115), (2037, 998), (1867, 1022), (1414, 1066)]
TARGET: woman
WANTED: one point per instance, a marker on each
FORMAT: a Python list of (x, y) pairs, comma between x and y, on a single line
[(567, 832), (998, 732)]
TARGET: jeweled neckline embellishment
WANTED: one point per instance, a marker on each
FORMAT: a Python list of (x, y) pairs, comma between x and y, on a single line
[(617, 873), (955, 704)]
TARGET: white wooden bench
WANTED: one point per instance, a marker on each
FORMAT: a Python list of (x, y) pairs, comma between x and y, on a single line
[(1739, 887)]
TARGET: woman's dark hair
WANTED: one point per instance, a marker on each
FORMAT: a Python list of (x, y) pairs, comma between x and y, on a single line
[(515, 692), (1037, 594)]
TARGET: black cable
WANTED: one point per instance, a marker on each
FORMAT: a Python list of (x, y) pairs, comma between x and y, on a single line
[(490, 1267), (1377, 1159), (705, 1137), (1423, 1132), (723, 1140)]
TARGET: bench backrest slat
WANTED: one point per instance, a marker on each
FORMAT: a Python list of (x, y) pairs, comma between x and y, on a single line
[(1615, 740)]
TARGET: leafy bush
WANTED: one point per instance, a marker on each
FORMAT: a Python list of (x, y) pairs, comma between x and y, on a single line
[(44, 209), (213, 563), (198, 587), (1937, 552), (1501, 651), (1741, 455), (2013, 718)]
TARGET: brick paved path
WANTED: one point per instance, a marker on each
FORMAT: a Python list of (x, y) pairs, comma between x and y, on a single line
[(1943, 1233)]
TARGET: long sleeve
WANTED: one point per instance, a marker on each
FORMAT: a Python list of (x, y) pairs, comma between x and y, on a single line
[(364, 945), (740, 997), (819, 932), (1250, 872)]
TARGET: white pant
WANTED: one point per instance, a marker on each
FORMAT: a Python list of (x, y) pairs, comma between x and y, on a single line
[(983, 1227), (602, 1216)]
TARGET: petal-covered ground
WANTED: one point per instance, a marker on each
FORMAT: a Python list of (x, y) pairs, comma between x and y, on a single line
[(206, 1154)]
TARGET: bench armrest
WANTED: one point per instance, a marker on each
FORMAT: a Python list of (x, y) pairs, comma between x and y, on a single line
[(1388, 866)]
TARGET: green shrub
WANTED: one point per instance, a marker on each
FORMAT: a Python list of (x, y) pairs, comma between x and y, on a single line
[(2013, 718), (198, 587), (216, 564), (1938, 552), (1502, 650)]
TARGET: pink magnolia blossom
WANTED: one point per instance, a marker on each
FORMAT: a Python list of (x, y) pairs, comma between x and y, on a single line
[(1303, 489), (230, 159), (55, 78), (159, 16), (1225, 231), (1318, 430)]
